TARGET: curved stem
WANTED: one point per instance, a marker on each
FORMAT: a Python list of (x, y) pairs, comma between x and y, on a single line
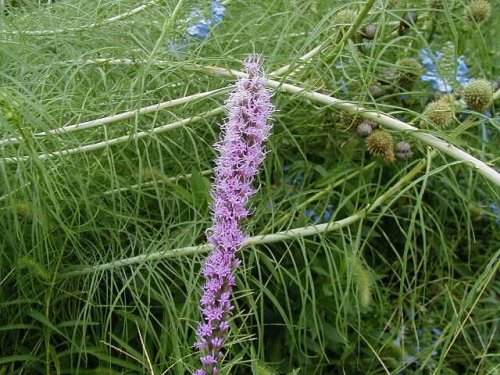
[(118, 140), (379, 117), (261, 239), (84, 27), (118, 117)]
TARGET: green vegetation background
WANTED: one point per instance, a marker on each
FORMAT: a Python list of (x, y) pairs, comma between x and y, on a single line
[(408, 289)]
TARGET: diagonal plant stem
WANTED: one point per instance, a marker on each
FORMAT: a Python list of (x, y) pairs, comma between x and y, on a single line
[(205, 172), (120, 116), (261, 239), (118, 140), (84, 27), (319, 194), (379, 117)]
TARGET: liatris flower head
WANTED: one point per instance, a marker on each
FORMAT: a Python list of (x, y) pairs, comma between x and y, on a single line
[(241, 152), (380, 143), (479, 95), (478, 11)]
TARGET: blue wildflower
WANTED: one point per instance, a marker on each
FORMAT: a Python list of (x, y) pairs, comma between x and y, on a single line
[(320, 219), (201, 29), (439, 75), (200, 26)]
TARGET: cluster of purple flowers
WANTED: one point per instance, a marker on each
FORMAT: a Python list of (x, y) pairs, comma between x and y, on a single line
[(241, 152)]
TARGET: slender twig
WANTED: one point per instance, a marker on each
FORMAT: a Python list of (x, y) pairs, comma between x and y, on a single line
[(118, 140), (261, 239), (118, 117), (328, 189), (206, 172), (379, 117), (84, 27)]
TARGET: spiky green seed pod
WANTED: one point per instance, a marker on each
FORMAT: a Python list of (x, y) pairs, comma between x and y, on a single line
[(364, 283), (479, 95), (478, 11), (349, 121), (409, 71), (370, 31), (403, 150), (364, 129), (380, 143), (440, 113)]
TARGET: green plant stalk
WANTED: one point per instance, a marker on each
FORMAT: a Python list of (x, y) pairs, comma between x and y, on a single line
[(379, 117), (118, 140), (120, 116), (257, 240), (84, 27), (206, 172), (326, 190), (308, 56)]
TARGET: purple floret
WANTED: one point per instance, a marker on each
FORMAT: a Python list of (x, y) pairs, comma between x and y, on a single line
[(241, 153)]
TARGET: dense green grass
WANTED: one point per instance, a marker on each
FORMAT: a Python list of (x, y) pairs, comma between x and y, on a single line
[(418, 254)]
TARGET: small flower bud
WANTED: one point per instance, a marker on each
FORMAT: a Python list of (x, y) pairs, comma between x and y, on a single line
[(376, 91), (439, 113), (370, 31), (478, 11), (403, 150), (479, 95), (409, 71), (380, 143), (364, 129)]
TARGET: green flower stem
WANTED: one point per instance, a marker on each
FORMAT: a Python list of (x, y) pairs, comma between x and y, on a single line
[(319, 194), (118, 140), (261, 239), (118, 117), (84, 27), (206, 172), (379, 117)]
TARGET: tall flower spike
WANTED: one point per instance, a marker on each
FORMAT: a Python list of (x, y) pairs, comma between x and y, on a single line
[(241, 152)]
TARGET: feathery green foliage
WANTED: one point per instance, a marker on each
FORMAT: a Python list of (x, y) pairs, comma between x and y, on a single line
[(405, 285)]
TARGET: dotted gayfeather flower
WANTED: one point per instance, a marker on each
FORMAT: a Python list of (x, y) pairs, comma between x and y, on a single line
[(241, 152)]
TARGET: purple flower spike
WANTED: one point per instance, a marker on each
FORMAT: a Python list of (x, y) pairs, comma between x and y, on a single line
[(241, 152)]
